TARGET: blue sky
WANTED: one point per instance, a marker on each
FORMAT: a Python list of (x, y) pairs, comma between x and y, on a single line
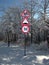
[(7, 3), (4, 4), (36, 16)]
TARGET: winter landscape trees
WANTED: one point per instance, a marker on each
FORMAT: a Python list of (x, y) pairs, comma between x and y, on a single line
[(39, 20), (30, 49)]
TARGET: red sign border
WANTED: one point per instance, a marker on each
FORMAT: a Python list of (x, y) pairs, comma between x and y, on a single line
[(25, 16), (24, 23), (26, 32)]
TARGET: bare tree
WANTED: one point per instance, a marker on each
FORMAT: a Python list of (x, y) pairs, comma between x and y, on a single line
[(39, 7), (11, 20)]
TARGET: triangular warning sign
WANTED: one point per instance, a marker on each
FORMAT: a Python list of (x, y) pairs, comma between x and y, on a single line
[(25, 13), (25, 21)]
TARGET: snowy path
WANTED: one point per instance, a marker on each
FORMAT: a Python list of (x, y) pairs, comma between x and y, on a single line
[(14, 55)]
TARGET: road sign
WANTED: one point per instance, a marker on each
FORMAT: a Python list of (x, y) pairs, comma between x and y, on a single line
[(25, 26), (25, 29), (25, 21), (25, 13)]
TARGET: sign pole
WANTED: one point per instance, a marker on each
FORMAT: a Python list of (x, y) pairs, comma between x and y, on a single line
[(25, 27), (25, 46)]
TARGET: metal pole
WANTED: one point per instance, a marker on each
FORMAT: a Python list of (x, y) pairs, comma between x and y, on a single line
[(8, 39), (31, 21), (25, 47)]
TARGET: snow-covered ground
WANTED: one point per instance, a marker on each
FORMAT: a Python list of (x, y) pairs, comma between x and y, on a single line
[(14, 55)]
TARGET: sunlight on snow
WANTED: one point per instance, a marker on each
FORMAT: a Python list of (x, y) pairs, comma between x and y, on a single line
[(6, 59), (11, 64), (24, 57), (14, 46), (40, 58)]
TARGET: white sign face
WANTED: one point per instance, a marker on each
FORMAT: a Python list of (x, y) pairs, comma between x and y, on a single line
[(25, 29), (25, 21)]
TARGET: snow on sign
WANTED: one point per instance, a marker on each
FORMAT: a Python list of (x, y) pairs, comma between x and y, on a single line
[(25, 29), (25, 13)]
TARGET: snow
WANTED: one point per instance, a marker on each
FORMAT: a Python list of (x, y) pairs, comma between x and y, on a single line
[(14, 55)]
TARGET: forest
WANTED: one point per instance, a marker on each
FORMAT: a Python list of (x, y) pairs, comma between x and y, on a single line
[(10, 22)]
